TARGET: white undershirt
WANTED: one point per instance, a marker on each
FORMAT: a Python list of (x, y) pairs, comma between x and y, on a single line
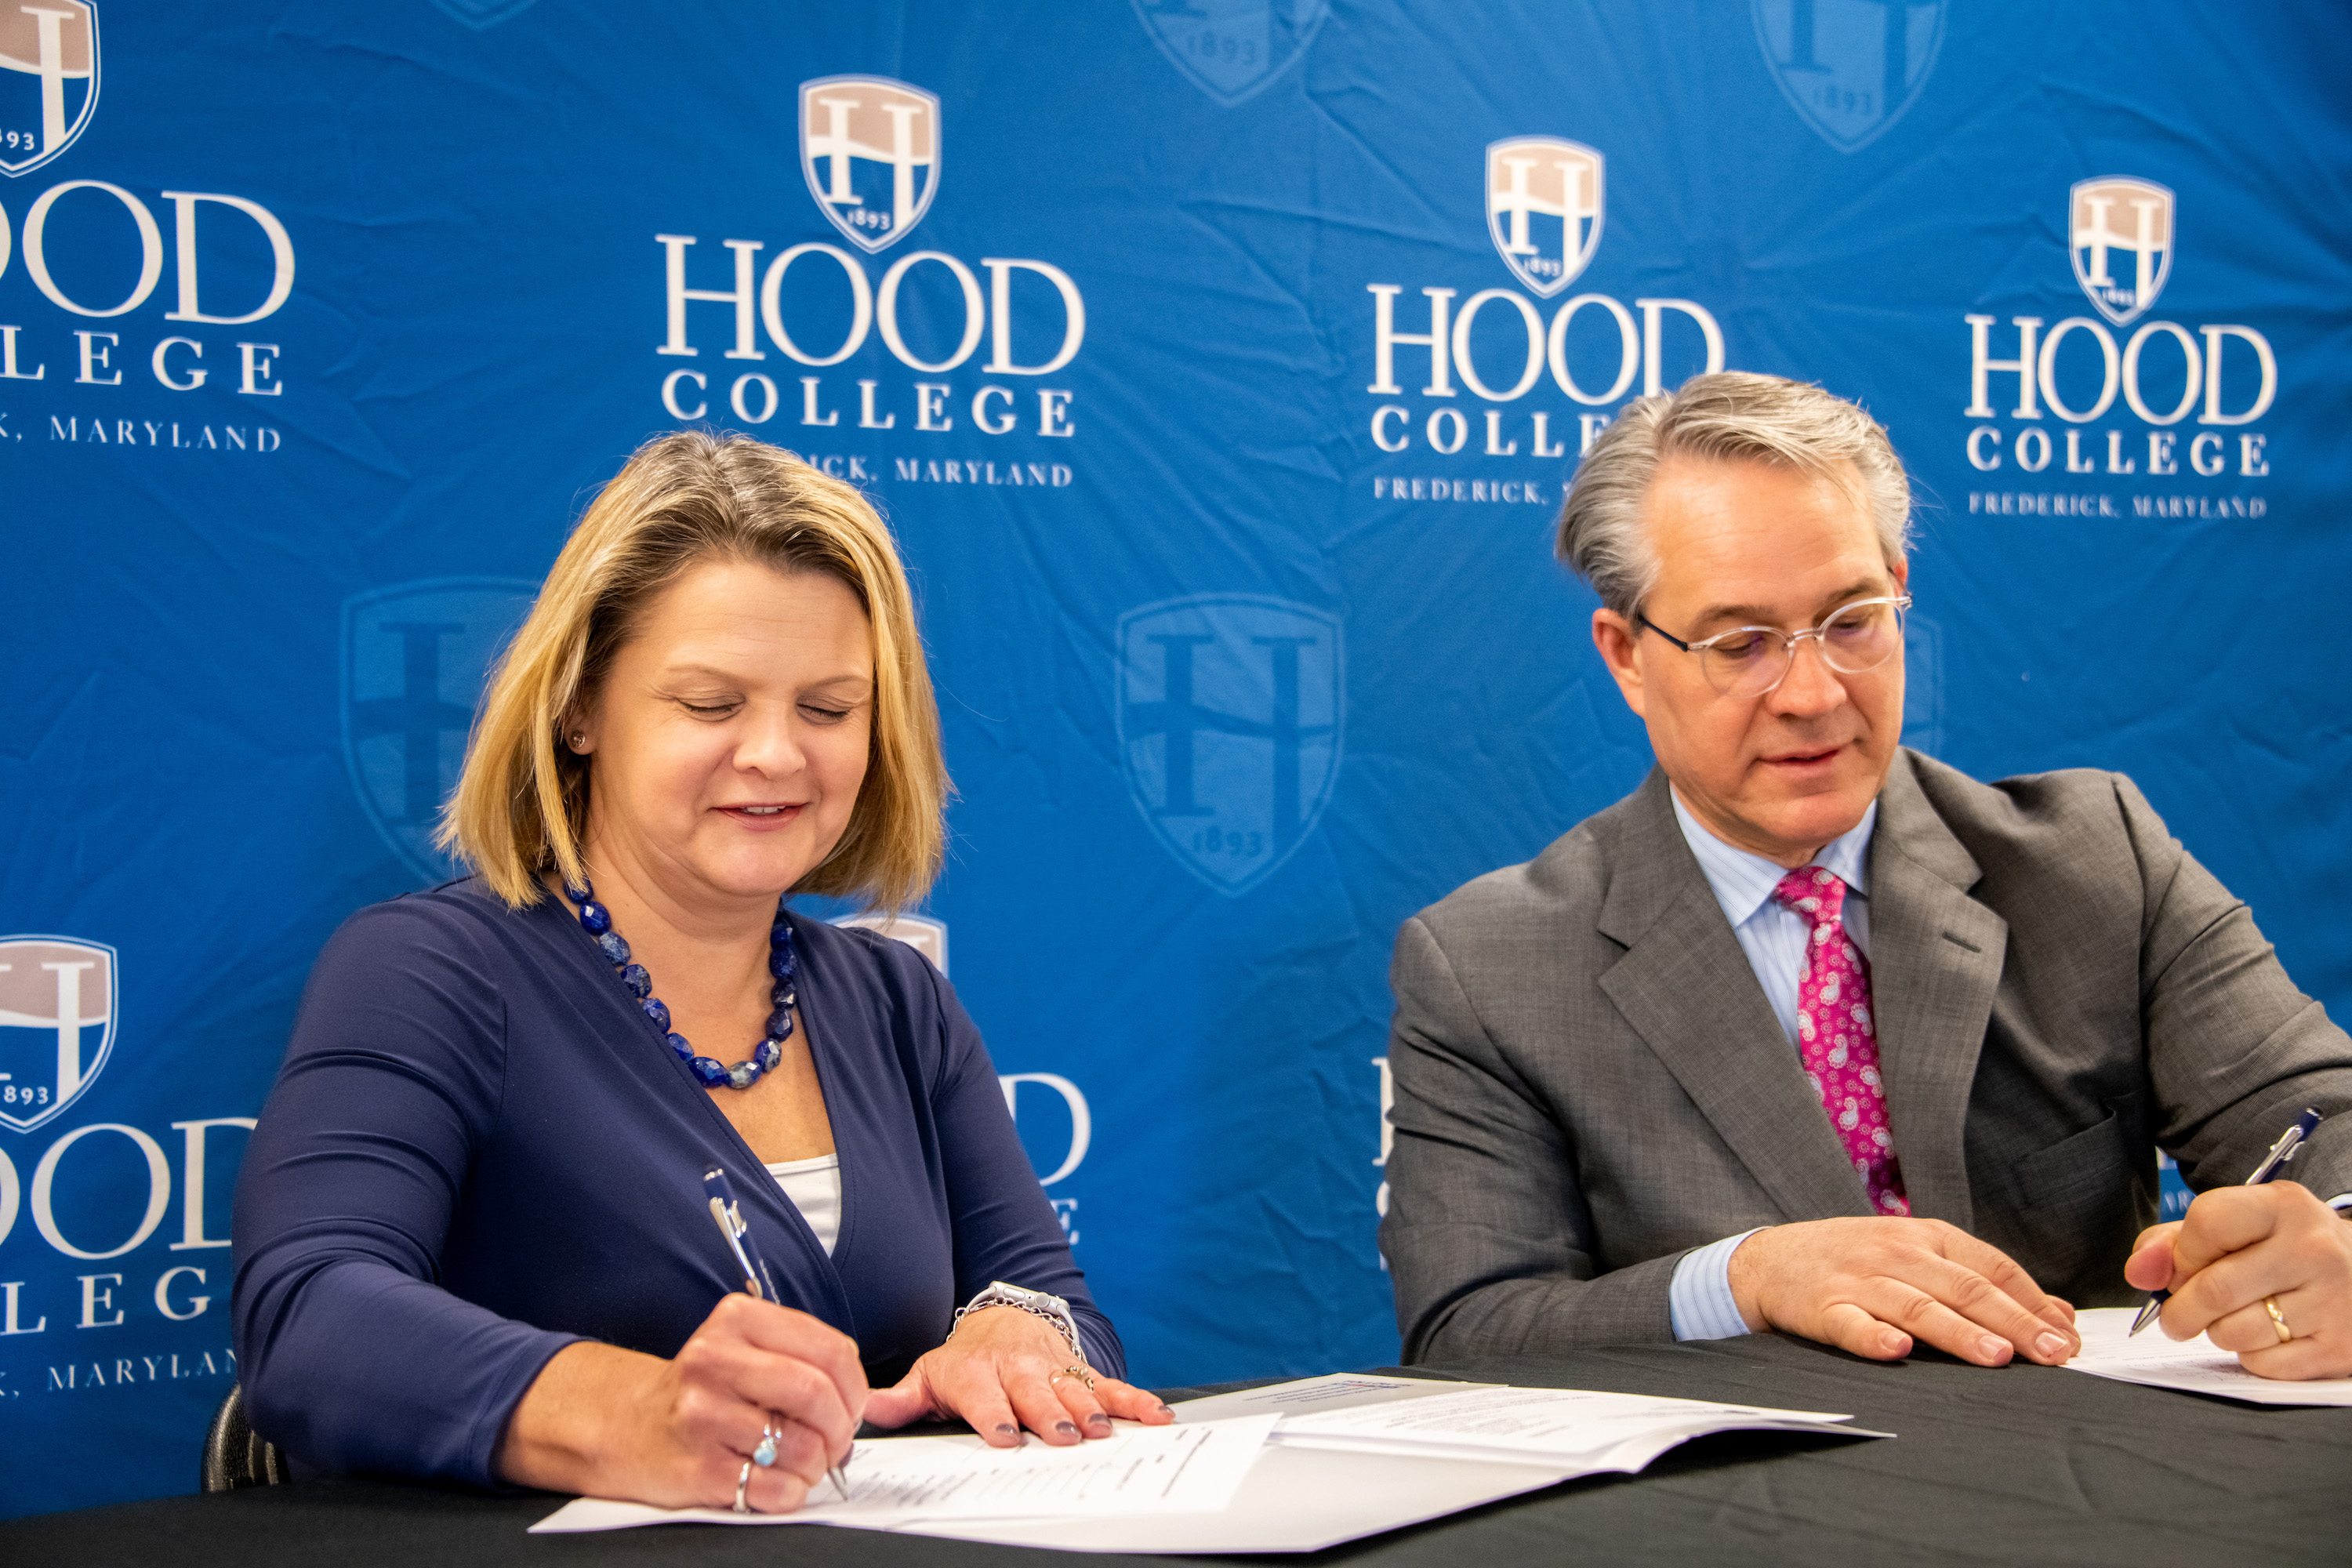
[(815, 1187)]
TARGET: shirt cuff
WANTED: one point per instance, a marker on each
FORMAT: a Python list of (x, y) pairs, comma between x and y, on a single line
[(2341, 1202), (1700, 1298)]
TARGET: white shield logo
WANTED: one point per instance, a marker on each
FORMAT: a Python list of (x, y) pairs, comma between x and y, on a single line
[(415, 657), (2118, 212), (1229, 709), (56, 1023), (1850, 68), (1543, 208), (1232, 49), (870, 152), (49, 78)]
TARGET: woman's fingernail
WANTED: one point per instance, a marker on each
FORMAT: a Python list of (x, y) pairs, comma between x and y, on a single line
[(1992, 1348), (1163, 1410), (2054, 1347), (1007, 1429), (1066, 1426), (1100, 1420)]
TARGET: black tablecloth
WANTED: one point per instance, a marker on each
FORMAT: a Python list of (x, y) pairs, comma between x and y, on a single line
[(2023, 1465)]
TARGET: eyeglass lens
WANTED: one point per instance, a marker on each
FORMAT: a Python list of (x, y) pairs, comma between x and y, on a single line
[(1754, 660)]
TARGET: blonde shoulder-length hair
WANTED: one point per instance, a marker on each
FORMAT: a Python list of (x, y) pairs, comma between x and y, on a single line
[(521, 804)]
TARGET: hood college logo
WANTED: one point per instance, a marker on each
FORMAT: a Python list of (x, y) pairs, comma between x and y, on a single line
[(49, 78), (415, 657), (870, 152), (1543, 208), (2120, 232), (1231, 48), (1849, 66), (56, 1023), (1229, 709)]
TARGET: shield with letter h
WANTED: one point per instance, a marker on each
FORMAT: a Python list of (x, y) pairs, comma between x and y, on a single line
[(870, 152), (1850, 68), (2119, 232), (1230, 714), (1544, 208), (414, 657), (48, 79), (1232, 49), (58, 1000)]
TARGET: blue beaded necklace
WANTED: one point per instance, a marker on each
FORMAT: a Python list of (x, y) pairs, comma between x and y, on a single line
[(708, 1071)]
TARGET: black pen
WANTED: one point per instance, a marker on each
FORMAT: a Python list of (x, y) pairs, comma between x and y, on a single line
[(758, 1283), (2273, 1164)]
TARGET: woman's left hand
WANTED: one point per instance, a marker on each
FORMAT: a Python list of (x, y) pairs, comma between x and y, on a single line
[(1003, 1369)]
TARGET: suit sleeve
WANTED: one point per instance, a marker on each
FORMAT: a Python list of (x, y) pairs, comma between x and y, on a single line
[(1487, 1236), (2235, 1052), (1005, 1228)]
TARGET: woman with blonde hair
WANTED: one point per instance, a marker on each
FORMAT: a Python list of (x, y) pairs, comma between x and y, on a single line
[(471, 1235)]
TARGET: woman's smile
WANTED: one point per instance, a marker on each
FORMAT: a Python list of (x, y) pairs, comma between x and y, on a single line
[(766, 818)]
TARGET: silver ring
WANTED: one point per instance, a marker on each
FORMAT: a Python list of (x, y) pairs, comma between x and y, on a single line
[(743, 1485), (765, 1454)]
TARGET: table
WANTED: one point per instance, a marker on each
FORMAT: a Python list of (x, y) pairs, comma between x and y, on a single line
[(2022, 1465)]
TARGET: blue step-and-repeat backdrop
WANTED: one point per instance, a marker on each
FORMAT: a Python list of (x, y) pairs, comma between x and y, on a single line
[(1220, 364)]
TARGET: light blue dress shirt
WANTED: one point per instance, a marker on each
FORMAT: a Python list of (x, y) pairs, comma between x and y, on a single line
[(1774, 938)]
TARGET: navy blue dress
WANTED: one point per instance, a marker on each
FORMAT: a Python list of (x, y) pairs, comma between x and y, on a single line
[(480, 1150)]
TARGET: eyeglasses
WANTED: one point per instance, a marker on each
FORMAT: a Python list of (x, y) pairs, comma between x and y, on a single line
[(1748, 661)]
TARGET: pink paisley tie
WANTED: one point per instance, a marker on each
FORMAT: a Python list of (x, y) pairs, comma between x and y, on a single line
[(1837, 1038)]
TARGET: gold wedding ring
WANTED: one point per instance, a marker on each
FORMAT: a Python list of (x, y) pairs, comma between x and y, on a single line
[(2278, 1319), (1078, 1370)]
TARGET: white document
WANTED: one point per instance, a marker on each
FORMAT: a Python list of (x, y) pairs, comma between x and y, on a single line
[(1191, 1467), (1399, 1451), (1294, 1500), (2196, 1365), (1299, 1498), (1339, 1391), (1581, 1432)]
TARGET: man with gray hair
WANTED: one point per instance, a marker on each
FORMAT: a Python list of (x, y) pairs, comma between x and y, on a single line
[(1811, 1033)]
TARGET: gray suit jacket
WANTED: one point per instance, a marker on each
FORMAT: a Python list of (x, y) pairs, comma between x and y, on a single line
[(1589, 1082)]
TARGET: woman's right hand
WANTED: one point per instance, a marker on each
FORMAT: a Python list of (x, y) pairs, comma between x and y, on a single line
[(605, 1422)]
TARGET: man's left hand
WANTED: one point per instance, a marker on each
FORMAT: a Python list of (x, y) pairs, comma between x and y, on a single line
[(2240, 1246)]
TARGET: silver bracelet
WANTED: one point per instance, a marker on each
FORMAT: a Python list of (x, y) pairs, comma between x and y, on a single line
[(1037, 1303)]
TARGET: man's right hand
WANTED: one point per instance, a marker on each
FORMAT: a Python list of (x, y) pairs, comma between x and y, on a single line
[(1873, 1287)]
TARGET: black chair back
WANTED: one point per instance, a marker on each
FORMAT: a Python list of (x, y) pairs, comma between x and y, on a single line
[(236, 1454)]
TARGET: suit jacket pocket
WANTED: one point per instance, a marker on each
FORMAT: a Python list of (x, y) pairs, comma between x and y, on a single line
[(2078, 1175), (2071, 1209)]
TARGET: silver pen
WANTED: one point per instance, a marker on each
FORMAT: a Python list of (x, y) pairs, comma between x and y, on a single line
[(2273, 1164), (758, 1283)]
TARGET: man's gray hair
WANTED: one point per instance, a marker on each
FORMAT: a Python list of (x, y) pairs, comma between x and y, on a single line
[(1728, 417)]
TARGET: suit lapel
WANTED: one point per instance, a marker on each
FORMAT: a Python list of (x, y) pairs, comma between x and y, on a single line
[(1934, 963), (1686, 987)]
